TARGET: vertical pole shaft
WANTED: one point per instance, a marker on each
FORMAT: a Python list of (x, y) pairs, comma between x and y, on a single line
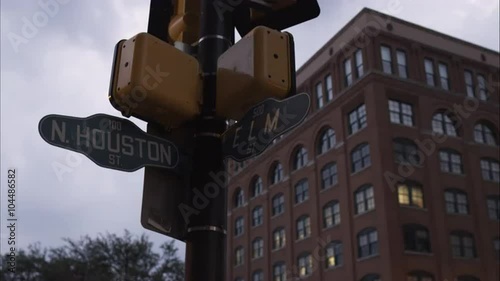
[(206, 237)]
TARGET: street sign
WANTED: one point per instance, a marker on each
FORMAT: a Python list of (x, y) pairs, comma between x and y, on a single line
[(262, 124), (109, 141)]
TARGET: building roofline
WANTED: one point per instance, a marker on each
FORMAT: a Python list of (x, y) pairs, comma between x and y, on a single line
[(371, 11)]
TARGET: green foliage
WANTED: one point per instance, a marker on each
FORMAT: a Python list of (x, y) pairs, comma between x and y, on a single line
[(104, 258)]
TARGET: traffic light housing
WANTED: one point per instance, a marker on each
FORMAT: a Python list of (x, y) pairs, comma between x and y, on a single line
[(155, 82), (277, 14), (259, 66), (185, 23)]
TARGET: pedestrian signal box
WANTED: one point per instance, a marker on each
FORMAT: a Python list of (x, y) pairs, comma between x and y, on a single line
[(259, 66), (154, 81)]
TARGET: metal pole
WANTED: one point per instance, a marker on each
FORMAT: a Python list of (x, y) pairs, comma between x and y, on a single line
[(206, 237)]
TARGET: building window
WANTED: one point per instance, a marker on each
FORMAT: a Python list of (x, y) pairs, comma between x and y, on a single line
[(360, 157), (490, 170), (277, 175), (386, 59), (469, 83), (257, 248), (483, 133), (331, 214), (456, 202), (482, 88), (402, 66), (365, 200), (406, 151), (300, 158), (257, 216), (303, 227), (305, 263), (329, 87), (278, 204), (257, 187), (319, 96), (334, 255), (429, 72), (410, 194), (279, 239), (462, 245), (442, 124), (329, 176), (496, 247), (451, 161), (239, 198), (371, 277), (420, 276), (301, 191), (258, 276), (279, 271), (326, 141), (367, 243), (358, 56), (416, 238), (239, 226), (239, 256), (347, 72), (401, 113), (493, 203), (443, 76), (357, 119)]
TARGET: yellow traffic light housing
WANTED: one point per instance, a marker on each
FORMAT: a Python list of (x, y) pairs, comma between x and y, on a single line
[(153, 81), (259, 66), (185, 23)]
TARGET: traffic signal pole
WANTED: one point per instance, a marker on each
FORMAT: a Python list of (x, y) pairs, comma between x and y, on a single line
[(206, 234)]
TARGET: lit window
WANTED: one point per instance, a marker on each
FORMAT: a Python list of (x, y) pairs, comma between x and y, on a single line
[(360, 157), (278, 204), (490, 169), (367, 243), (456, 202), (429, 72), (279, 239), (326, 141), (443, 76), (334, 255), (239, 256), (364, 199), (462, 245), (402, 67), (416, 238), (257, 248), (305, 263), (401, 113), (386, 59), (257, 216), (357, 119), (451, 161), (410, 194), (331, 214)]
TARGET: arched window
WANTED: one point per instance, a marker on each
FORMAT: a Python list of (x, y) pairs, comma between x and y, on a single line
[(257, 248), (360, 157), (483, 133), (371, 277), (416, 238), (406, 151), (279, 271), (443, 124), (419, 276), (257, 186), (326, 141), (276, 173), (367, 243), (299, 158), (239, 198)]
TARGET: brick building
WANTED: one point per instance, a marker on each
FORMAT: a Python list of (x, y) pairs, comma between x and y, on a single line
[(393, 176)]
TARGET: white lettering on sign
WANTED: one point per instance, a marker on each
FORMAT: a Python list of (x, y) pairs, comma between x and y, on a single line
[(272, 125), (114, 143)]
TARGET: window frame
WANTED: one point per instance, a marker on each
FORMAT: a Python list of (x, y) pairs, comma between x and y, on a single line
[(458, 206), (257, 248), (303, 227), (411, 188), (490, 169), (412, 241), (300, 158), (348, 73), (357, 119), (444, 80), (326, 141), (329, 175), (462, 247), (368, 199), (301, 191), (320, 97), (334, 254), (358, 59), (364, 157), (278, 204), (404, 65), (257, 216), (449, 163), (401, 113), (431, 74), (331, 214), (386, 61), (279, 243), (372, 245)]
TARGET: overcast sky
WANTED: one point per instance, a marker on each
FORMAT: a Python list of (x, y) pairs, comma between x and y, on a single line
[(63, 67)]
